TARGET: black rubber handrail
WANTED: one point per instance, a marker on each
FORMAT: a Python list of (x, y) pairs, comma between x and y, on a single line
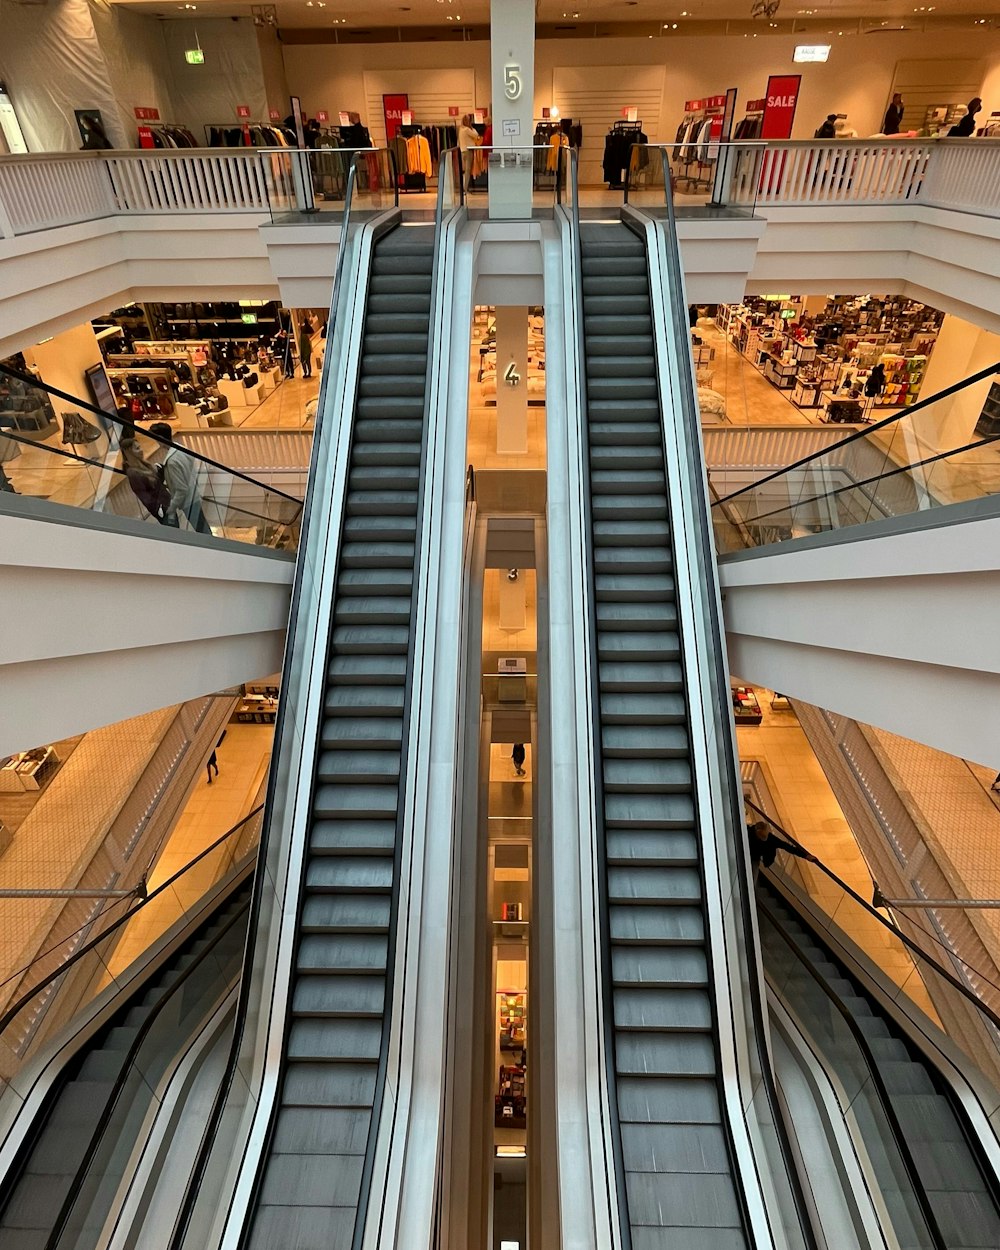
[(110, 1106), (706, 546), (971, 380), (22, 1002), (871, 1063), (907, 941), (77, 402)]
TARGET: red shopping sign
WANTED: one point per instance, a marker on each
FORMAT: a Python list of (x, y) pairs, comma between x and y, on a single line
[(243, 110), (392, 107), (779, 106)]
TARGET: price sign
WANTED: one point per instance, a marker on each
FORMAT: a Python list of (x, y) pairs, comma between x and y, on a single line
[(345, 119), (322, 115), (243, 110), (452, 110), (147, 114), (274, 115), (406, 118), (631, 113)]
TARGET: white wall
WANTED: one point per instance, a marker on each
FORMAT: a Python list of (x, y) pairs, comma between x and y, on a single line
[(52, 64), (961, 349), (100, 625), (62, 359), (136, 58), (231, 75)]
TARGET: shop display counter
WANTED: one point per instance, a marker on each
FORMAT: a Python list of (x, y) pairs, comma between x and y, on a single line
[(31, 770), (746, 708), (240, 396)]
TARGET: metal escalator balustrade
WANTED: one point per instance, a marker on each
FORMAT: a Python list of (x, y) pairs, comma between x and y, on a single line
[(312, 1180), (59, 1192), (944, 1195), (678, 1167)]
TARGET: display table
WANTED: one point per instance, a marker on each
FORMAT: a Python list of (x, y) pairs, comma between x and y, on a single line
[(807, 394), (240, 396), (780, 373), (30, 771), (746, 708)]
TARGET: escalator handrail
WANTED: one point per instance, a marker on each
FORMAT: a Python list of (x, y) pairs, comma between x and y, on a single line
[(115, 419), (907, 941), (187, 1204), (948, 391), (66, 1209), (619, 1199), (448, 157), (878, 1083), (704, 554), (11, 1012)]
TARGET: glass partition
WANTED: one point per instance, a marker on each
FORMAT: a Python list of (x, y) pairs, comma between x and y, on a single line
[(41, 999), (57, 447), (311, 186), (925, 457)]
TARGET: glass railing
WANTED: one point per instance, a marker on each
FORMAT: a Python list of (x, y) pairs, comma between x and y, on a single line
[(63, 449), (184, 1009), (306, 186), (860, 1086), (42, 998), (893, 468), (958, 1004), (702, 179)]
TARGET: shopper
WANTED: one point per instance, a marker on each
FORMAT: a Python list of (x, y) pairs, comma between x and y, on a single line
[(305, 349), (894, 116), (181, 474), (828, 128), (468, 138), (147, 480), (764, 846), (517, 755), (213, 759), (966, 125)]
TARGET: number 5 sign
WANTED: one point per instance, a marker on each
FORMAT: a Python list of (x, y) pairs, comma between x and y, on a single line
[(512, 82)]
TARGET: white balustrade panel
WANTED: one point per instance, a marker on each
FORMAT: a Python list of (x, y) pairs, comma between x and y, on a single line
[(37, 193), (828, 172), (965, 175), (189, 182)]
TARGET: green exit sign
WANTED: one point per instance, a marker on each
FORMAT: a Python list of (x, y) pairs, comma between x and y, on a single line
[(194, 56), (249, 319)]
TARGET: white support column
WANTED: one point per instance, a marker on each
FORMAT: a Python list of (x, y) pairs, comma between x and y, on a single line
[(512, 26), (512, 380)]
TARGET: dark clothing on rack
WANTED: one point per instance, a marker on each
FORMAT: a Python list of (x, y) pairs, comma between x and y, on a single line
[(618, 153)]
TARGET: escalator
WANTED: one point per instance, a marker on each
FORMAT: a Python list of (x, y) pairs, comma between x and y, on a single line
[(310, 1190), (676, 1156), (62, 1185), (937, 1189)]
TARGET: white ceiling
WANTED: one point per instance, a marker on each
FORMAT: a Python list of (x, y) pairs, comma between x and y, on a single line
[(651, 14)]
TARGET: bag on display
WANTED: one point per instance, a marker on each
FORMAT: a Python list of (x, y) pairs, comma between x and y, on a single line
[(76, 430)]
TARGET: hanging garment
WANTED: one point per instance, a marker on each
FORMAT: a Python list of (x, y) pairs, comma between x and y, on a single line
[(418, 156), (558, 141)]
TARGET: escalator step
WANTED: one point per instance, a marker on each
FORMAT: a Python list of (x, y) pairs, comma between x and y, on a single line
[(661, 1009), (667, 1100), (364, 701), (652, 846), (317, 1187), (654, 885), (311, 1130), (367, 668), (334, 1041), (335, 997), (374, 731), (382, 503), (643, 708), (665, 1054), (659, 966), (331, 913), (320, 1085), (359, 766), (375, 801), (352, 837), (656, 926), (638, 616), (377, 639), (633, 644), (350, 874), (342, 954), (649, 811), (647, 776), (644, 741), (632, 675)]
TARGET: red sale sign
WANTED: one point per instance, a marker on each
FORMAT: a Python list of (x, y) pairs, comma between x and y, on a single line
[(393, 107), (779, 106), (243, 110)]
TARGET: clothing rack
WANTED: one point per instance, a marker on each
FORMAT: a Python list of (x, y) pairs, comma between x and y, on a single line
[(170, 134), (696, 142), (619, 143), (262, 135)]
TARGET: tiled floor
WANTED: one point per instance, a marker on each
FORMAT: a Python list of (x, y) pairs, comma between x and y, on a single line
[(211, 811)]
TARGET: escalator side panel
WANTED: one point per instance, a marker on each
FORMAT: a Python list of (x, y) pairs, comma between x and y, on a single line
[(313, 1178), (963, 1201), (678, 1172)]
